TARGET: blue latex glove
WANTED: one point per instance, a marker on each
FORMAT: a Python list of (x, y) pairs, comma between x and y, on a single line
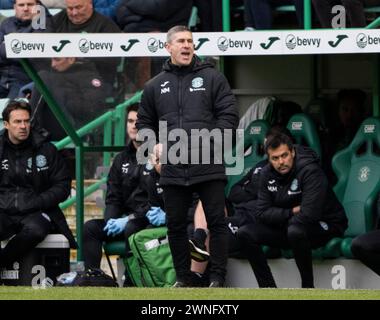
[(156, 216), (115, 226)]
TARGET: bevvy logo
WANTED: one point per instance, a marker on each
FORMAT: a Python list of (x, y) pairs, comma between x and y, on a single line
[(292, 42), (17, 46), (363, 40), (86, 45), (224, 44), (155, 44)]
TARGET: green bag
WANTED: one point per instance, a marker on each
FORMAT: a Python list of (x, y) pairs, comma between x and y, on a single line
[(133, 269), (151, 264)]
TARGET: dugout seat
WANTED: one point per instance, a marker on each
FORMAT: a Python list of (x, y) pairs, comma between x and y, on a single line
[(358, 170), (304, 131), (254, 136)]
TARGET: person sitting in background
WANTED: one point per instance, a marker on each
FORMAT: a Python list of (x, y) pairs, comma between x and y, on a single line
[(351, 113), (152, 15), (77, 88), (149, 16), (260, 12), (296, 208), (12, 75), (33, 181), (126, 201), (80, 17), (107, 7), (6, 4), (354, 11)]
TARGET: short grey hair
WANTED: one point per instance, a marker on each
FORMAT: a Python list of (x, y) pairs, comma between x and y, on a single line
[(174, 30)]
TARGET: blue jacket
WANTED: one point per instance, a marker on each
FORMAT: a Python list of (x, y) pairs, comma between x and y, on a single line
[(6, 4), (12, 66), (107, 7)]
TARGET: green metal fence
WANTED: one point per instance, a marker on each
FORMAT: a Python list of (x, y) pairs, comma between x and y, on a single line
[(116, 117)]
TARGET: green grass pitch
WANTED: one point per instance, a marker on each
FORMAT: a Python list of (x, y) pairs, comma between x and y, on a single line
[(79, 293)]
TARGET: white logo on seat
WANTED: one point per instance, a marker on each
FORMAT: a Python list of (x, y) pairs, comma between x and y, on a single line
[(364, 174)]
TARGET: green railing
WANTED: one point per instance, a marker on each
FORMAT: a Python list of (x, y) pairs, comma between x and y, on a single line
[(106, 120)]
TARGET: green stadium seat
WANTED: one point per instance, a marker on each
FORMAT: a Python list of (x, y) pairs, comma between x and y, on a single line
[(114, 248), (358, 170), (254, 137), (304, 131)]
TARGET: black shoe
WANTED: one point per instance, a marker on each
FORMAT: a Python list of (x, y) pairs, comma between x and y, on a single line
[(198, 251), (216, 284)]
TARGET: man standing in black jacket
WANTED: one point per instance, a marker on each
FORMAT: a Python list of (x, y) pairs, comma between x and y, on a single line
[(296, 209), (33, 181), (190, 95)]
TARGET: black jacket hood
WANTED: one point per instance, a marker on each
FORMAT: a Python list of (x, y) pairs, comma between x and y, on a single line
[(305, 156), (195, 65)]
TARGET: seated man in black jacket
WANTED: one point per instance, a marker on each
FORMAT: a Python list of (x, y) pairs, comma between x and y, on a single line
[(126, 201), (33, 181), (296, 209)]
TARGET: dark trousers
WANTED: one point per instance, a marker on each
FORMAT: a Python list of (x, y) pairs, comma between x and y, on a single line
[(178, 200), (367, 249), (354, 11), (260, 12), (28, 231), (300, 238), (94, 236)]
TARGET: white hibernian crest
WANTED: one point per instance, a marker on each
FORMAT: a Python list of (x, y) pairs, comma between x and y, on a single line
[(364, 174)]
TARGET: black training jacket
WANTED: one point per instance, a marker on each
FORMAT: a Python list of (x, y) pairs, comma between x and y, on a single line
[(125, 188), (305, 185), (34, 178), (192, 97), (248, 187)]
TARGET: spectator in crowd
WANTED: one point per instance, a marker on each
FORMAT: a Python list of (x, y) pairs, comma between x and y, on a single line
[(259, 12), (34, 180), (152, 15), (12, 75), (6, 4), (196, 111), (80, 17), (351, 113), (78, 89), (296, 209), (354, 11), (126, 201), (366, 247), (107, 7), (2, 18)]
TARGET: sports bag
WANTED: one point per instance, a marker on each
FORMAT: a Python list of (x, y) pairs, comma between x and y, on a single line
[(150, 264)]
